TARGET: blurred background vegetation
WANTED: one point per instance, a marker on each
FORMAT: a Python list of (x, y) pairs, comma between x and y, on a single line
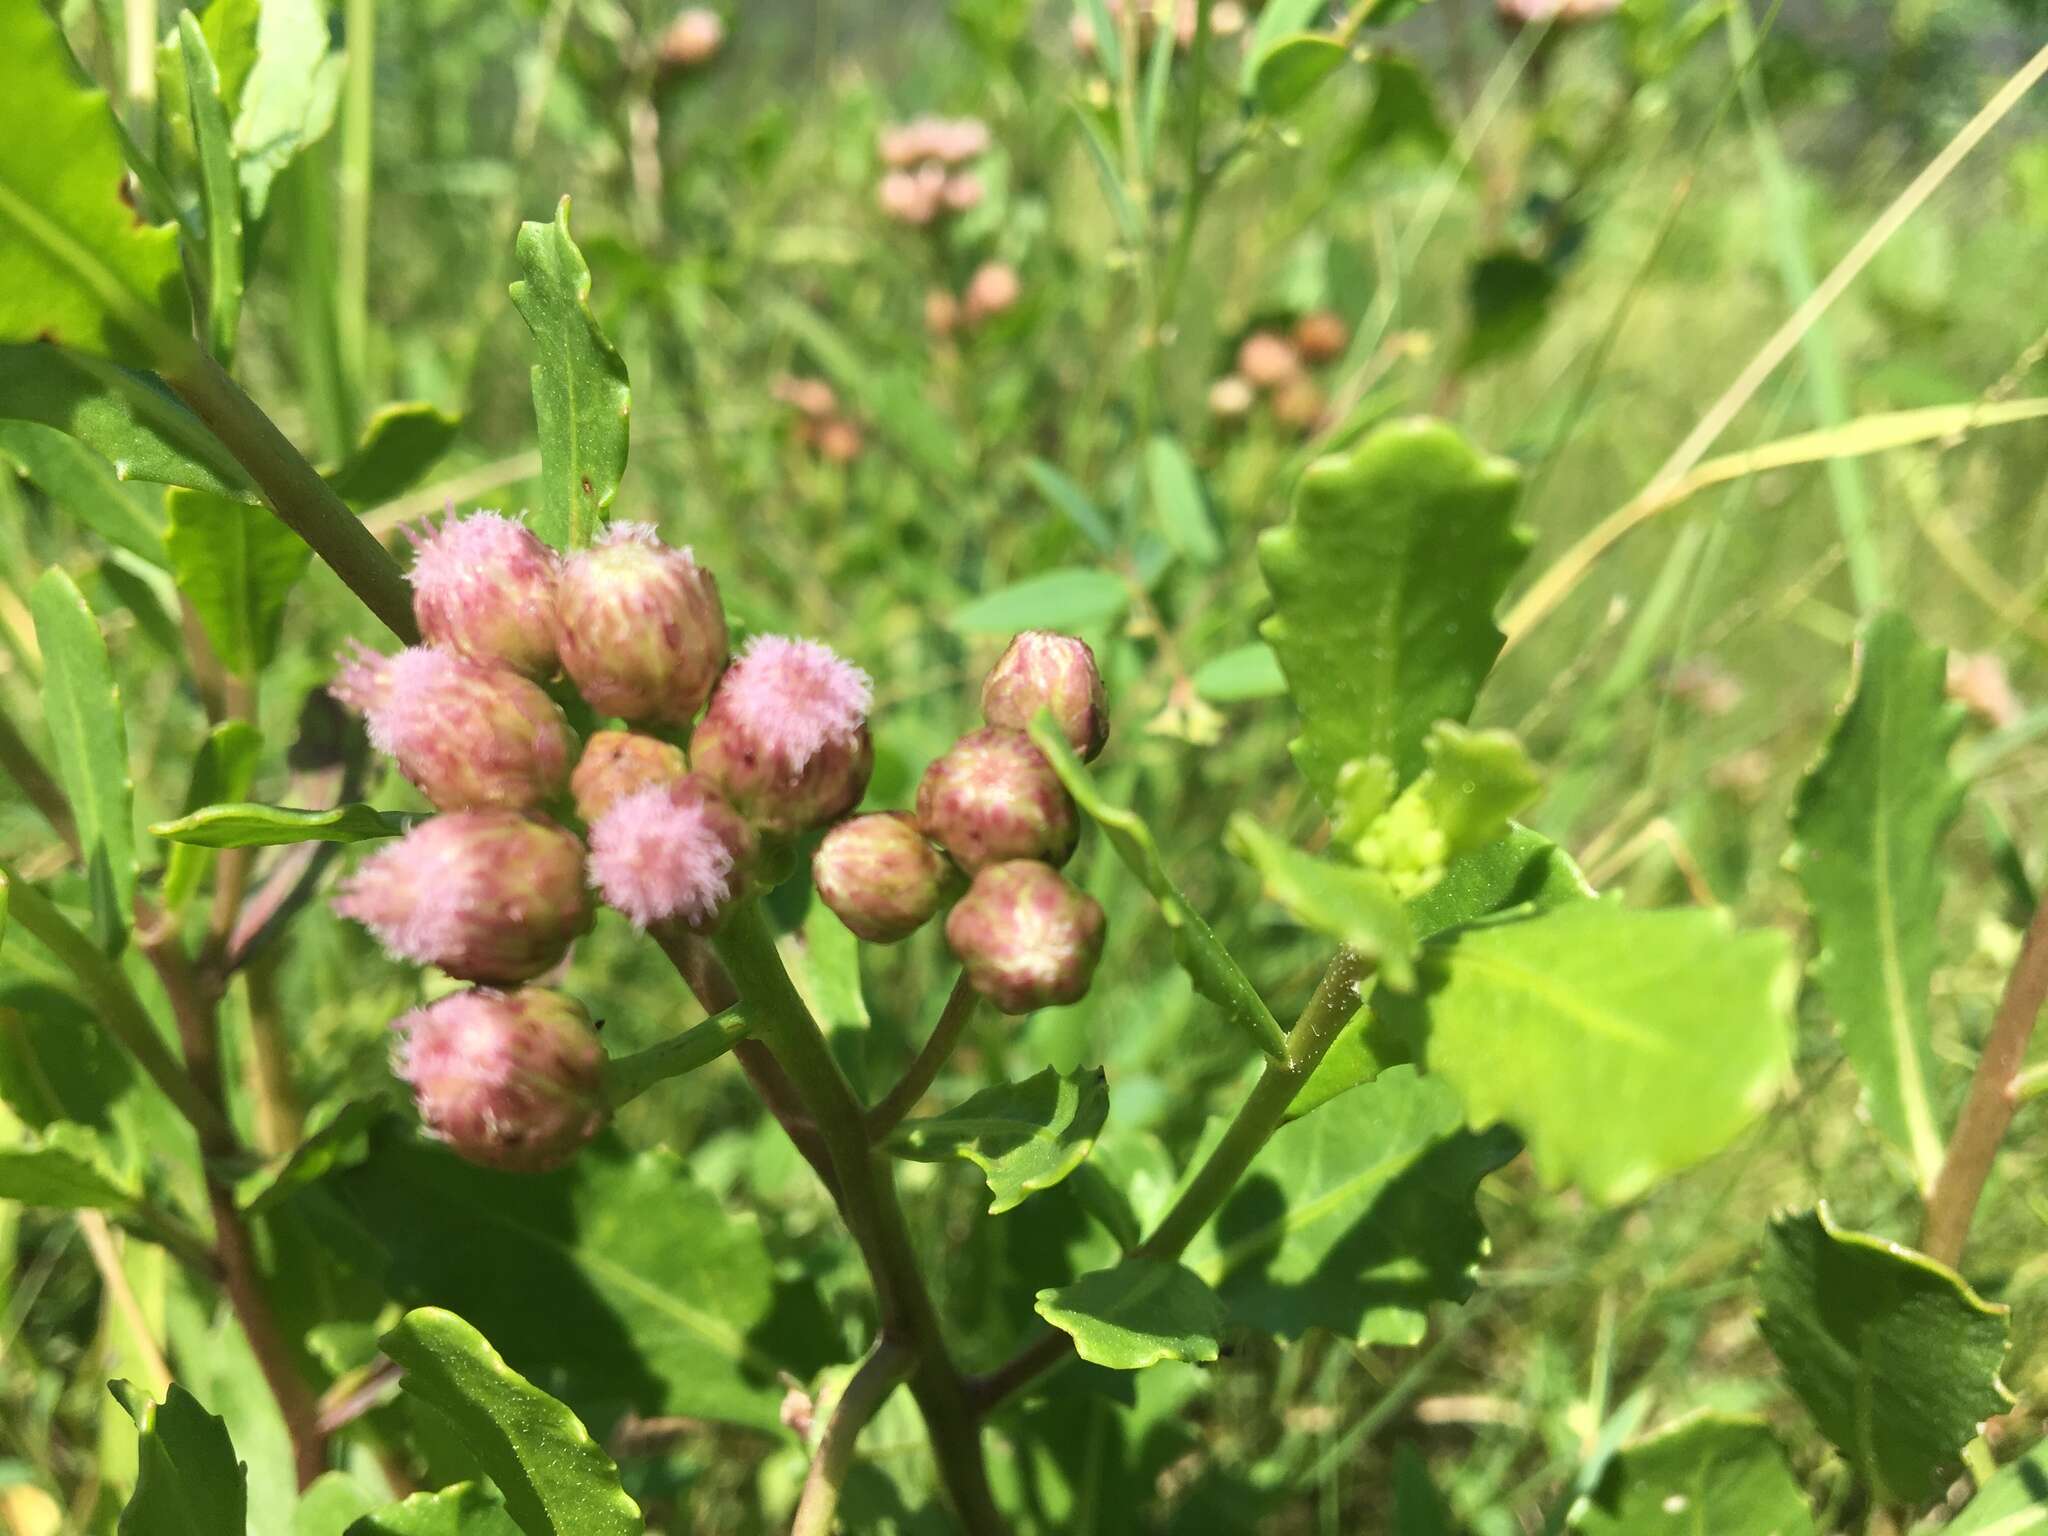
[(1569, 242)]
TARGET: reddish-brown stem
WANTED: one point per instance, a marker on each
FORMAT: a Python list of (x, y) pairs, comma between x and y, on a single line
[(1988, 1111)]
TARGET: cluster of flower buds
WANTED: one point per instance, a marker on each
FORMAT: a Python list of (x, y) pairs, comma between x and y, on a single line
[(1227, 18), (993, 811), (928, 168), (1524, 13), (693, 39), (1278, 367), (994, 289), (494, 890), (820, 425)]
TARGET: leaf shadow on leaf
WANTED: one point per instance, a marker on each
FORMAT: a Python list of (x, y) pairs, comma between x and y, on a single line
[(54, 1064)]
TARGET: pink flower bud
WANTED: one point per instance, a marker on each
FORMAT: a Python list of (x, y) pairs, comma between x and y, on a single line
[(962, 192), (471, 737), (1267, 359), (1563, 12), (643, 632), (1321, 336), (907, 198), (615, 764), (509, 1080), (958, 139), (993, 289), (786, 736), (1299, 404), (1044, 670), (671, 853), (839, 441), (1026, 937), (995, 797), (880, 875), (1231, 397), (693, 39), (808, 397), (483, 585), (941, 312), (485, 895)]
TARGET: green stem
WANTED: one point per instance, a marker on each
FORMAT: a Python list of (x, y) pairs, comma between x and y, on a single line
[(302, 500), (352, 258), (120, 1010), (867, 1201), (886, 1365), (917, 1080), (627, 1077)]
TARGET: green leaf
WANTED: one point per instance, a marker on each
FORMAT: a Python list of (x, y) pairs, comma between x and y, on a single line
[(231, 27), (90, 737), (1384, 584), (1249, 672), (188, 1482), (289, 101), (580, 393), (333, 1502), (223, 771), (1109, 45), (401, 442), (1139, 1313), (1870, 820), (1357, 907), (127, 418), (1475, 781), (1177, 498), (339, 1138), (1508, 296), (1073, 501), (220, 189), (83, 486), (1715, 1472), (1201, 954), (1114, 192), (1075, 597), (65, 1167), (1024, 1137), (464, 1510), (555, 1479), (77, 267), (1894, 1356), (2014, 1501), (236, 565), (1403, 118), (264, 826), (1356, 1218), (1418, 1507), (1623, 1045), (629, 1272), (1291, 70), (1278, 20)]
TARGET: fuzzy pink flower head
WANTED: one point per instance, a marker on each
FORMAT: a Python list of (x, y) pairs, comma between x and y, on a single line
[(484, 895), (643, 631), (509, 1080), (786, 737), (1026, 937), (994, 797), (671, 853), (483, 585), (469, 736)]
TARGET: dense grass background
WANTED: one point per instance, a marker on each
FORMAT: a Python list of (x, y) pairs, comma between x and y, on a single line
[(1677, 694)]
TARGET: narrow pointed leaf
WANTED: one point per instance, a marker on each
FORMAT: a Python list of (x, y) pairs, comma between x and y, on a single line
[(1178, 500), (290, 98), (1354, 906), (464, 1510), (127, 418), (1075, 597), (400, 444), (1139, 1313), (220, 189), (1249, 672), (1357, 1218), (1893, 1354), (237, 566), (77, 267), (222, 772), (83, 486), (265, 826), (1289, 72), (1870, 820), (1712, 1472), (1056, 488), (2013, 1502), (1024, 1136), (580, 393), (555, 1479), (1384, 583), (89, 735), (1201, 954), (188, 1481), (1622, 1045)]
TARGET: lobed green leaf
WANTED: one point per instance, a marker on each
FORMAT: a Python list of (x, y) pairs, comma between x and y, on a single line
[(400, 443), (1355, 906), (1716, 1472), (1137, 1314), (63, 1166), (463, 1510), (1023, 1136), (188, 1482)]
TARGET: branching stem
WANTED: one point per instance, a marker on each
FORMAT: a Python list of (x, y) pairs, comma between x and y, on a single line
[(917, 1079), (886, 1365)]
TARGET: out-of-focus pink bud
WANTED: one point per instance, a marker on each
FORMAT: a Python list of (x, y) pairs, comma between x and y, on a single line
[(509, 1080), (485, 895), (879, 875), (962, 192), (1231, 397), (693, 39), (839, 441), (1026, 937), (671, 853), (808, 397), (1299, 404), (995, 797), (786, 736), (1562, 12), (1267, 359), (993, 289), (958, 139), (1045, 670), (470, 737), (643, 632), (901, 145), (1321, 336), (941, 312), (617, 763), (910, 197), (1082, 30), (1979, 682), (483, 585), (1227, 18)]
